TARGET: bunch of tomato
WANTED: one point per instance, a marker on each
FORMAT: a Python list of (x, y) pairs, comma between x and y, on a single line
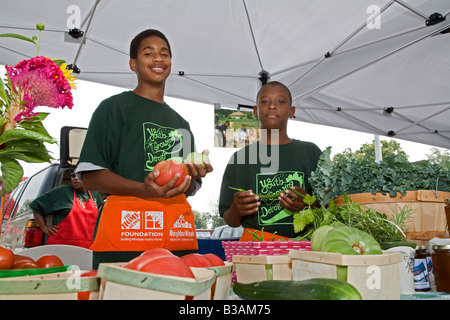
[(162, 261), (9, 260)]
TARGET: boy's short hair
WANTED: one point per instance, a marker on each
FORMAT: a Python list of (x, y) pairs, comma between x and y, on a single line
[(136, 42), (275, 83)]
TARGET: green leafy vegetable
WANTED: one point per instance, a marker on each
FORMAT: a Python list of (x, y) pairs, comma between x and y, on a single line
[(347, 174), (378, 225)]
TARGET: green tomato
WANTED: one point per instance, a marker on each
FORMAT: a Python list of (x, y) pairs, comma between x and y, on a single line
[(318, 235), (351, 241), (198, 158)]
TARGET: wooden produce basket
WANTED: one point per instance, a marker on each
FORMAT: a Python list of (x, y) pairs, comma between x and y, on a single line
[(376, 277), (259, 268), (220, 289), (119, 283), (428, 220), (51, 286)]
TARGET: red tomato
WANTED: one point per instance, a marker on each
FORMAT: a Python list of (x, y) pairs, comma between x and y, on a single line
[(168, 265), (215, 260), (84, 295), (156, 252), (168, 169), (138, 262), (26, 264), (49, 261), (19, 258), (6, 258), (196, 260)]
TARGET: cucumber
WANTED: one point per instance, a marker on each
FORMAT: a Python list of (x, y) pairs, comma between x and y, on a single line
[(311, 289)]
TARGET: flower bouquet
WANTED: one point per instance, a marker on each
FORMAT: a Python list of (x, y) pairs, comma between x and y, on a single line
[(39, 81)]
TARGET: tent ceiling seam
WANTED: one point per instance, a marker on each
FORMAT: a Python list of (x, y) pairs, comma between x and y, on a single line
[(30, 28), (253, 35), (347, 50), (369, 63), (362, 26), (341, 111), (15, 51), (106, 45), (347, 114), (427, 105), (294, 67), (331, 52), (218, 89), (412, 9), (215, 75), (418, 123)]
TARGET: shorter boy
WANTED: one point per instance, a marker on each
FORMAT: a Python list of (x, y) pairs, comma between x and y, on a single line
[(275, 163)]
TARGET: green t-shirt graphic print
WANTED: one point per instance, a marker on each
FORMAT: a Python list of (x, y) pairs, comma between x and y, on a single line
[(161, 143), (271, 212)]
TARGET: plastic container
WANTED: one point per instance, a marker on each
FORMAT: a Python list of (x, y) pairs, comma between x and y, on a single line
[(10, 273), (421, 277), (441, 266)]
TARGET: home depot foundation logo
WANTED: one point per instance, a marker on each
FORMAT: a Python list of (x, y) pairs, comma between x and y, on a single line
[(131, 220), (181, 229), (142, 226)]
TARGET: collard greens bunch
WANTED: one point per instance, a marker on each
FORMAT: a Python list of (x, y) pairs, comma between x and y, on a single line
[(347, 175)]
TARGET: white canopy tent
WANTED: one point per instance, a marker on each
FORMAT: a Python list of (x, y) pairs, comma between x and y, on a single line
[(374, 66)]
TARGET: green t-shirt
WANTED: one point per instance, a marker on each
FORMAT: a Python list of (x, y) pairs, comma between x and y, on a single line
[(129, 134), (266, 170), (59, 201)]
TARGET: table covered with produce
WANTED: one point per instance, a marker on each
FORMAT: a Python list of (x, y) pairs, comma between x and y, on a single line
[(342, 253)]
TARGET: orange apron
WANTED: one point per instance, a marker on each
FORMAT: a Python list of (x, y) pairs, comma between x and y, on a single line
[(247, 235), (77, 228), (136, 224)]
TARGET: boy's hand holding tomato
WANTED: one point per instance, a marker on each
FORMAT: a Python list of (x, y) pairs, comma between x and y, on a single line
[(170, 178)]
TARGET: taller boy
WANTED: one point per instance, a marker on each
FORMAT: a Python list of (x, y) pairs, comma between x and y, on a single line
[(128, 134)]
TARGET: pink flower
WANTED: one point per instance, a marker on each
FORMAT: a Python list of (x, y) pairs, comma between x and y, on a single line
[(42, 83)]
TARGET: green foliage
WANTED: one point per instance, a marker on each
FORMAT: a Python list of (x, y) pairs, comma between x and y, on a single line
[(378, 225), (346, 174), (367, 150), (208, 220), (25, 143), (440, 157)]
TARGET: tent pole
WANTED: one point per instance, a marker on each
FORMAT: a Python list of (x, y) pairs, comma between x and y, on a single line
[(378, 156), (85, 32)]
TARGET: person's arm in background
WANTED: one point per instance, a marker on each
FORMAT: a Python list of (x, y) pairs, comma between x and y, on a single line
[(50, 230)]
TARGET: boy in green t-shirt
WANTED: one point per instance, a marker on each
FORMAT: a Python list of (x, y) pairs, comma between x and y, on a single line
[(128, 134), (275, 163)]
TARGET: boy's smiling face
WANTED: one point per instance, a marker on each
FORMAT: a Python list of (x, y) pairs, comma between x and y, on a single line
[(273, 107), (153, 62)]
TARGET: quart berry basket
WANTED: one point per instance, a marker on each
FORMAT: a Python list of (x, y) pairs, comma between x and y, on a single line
[(255, 248), (260, 248)]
